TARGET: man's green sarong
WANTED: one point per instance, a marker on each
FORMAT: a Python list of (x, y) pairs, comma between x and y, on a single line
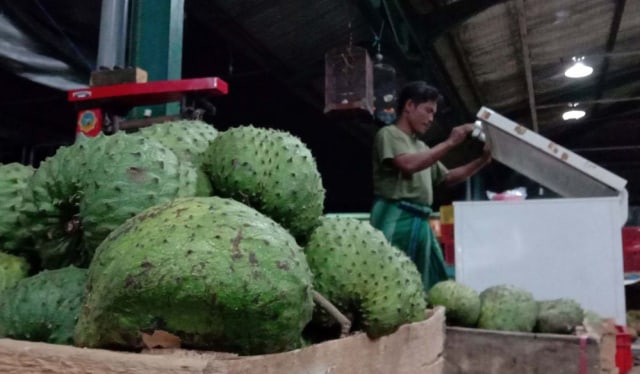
[(406, 226)]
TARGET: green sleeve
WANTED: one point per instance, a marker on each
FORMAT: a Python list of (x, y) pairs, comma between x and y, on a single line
[(438, 172), (390, 145)]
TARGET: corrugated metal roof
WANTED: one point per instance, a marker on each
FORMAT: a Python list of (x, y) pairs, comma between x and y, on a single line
[(556, 31), (299, 31), (491, 41)]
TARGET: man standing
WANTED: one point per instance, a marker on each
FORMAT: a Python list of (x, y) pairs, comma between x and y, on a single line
[(405, 171)]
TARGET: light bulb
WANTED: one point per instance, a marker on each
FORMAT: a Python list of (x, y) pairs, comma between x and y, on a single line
[(573, 114), (578, 70)]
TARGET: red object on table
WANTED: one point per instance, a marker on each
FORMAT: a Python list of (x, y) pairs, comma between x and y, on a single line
[(631, 248), (624, 355), (447, 242)]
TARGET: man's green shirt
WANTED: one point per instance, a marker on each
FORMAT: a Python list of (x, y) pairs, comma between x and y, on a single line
[(388, 182)]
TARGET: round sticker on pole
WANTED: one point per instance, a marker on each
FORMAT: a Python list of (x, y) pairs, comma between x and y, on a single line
[(89, 122)]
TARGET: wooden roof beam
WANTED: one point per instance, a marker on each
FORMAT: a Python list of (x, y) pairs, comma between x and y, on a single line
[(611, 43), (461, 58), (526, 59)]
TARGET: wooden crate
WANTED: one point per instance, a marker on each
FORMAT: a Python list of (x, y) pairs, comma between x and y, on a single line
[(414, 348), (476, 351), (111, 77)]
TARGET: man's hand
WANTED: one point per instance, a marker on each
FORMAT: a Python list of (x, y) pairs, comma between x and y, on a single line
[(463, 172), (459, 134), (486, 154)]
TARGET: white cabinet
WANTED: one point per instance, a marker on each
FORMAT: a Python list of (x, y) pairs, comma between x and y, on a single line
[(566, 247), (553, 248)]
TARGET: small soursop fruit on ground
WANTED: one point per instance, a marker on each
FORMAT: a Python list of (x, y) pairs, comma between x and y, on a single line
[(12, 269), (14, 179), (43, 307), (507, 308), (212, 271), (188, 139), (356, 268), (560, 316), (270, 170), (87, 189), (462, 303)]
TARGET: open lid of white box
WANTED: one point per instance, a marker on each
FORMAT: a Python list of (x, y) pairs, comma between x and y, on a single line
[(545, 162)]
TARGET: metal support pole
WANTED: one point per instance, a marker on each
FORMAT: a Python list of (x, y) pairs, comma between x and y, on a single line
[(155, 45), (112, 43)]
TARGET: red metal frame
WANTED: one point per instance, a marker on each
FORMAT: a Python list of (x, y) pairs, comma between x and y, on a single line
[(156, 92), (95, 102)]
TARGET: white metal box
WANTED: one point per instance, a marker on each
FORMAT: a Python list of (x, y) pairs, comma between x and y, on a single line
[(565, 247)]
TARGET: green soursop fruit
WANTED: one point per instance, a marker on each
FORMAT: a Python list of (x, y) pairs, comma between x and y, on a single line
[(43, 307), (507, 308), (270, 170), (188, 139), (559, 316), (356, 268), (88, 189), (212, 271), (55, 197), (462, 303), (203, 184), (12, 269), (14, 179)]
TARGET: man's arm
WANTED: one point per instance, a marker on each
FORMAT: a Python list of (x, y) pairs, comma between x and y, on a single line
[(409, 163), (461, 173)]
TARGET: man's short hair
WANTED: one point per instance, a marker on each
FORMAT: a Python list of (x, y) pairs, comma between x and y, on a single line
[(419, 92)]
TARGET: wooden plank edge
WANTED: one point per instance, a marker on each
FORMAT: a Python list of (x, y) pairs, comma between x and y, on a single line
[(413, 345)]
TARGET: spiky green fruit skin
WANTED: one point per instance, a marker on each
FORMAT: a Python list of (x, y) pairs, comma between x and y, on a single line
[(12, 269), (507, 308), (101, 181), (14, 179), (125, 176), (356, 268), (55, 192), (212, 271), (188, 139), (43, 307), (559, 316), (461, 302), (272, 171), (203, 184)]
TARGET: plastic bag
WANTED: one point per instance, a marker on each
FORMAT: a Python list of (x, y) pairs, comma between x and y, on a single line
[(516, 194)]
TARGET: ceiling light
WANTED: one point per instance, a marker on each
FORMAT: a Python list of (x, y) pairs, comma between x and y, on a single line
[(573, 114), (579, 69)]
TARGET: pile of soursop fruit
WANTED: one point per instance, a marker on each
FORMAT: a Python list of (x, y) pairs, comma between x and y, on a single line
[(508, 308), (216, 238)]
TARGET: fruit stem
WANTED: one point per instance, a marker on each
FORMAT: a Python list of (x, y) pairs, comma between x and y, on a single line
[(334, 312)]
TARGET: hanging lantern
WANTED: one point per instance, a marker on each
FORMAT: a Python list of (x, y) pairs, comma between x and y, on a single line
[(348, 80), (385, 92)]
